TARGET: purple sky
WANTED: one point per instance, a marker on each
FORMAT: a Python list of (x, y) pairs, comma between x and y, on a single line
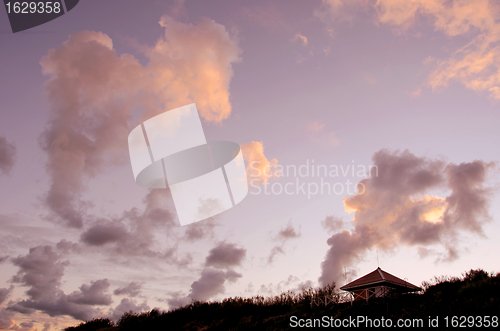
[(412, 88)]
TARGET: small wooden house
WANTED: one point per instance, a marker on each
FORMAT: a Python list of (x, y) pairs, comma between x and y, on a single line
[(378, 283)]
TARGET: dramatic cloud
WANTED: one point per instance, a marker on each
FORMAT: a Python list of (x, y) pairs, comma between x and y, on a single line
[(137, 233), (42, 272), (7, 156), (211, 283), (476, 64), (132, 289), (259, 169), (225, 255), (394, 208), (282, 237), (96, 94)]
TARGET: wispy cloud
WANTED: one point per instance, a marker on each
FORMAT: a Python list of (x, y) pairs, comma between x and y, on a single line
[(476, 64), (301, 38), (284, 235), (318, 133)]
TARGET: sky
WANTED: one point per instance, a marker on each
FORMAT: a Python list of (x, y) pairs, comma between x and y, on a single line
[(368, 128)]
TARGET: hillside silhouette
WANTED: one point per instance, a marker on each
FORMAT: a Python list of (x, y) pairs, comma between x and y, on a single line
[(476, 293)]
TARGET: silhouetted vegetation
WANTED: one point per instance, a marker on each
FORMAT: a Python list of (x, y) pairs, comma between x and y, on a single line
[(477, 293)]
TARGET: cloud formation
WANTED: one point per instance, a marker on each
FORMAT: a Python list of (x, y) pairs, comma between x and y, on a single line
[(101, 234), (225, 255), (394, 208), (41, 271), (4, 293), (259, 168), (132, 289), (6, 321), (135, 232), (212, 283), (93, 294), (7, 156), (332, 224), (476, 64), (284, 235), (95, 95), (212, 279)]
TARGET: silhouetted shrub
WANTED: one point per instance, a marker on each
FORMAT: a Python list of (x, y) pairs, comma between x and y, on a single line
[(101, 324), (476, 293)]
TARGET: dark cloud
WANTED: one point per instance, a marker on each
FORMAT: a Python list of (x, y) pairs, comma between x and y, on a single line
[(136, 232), (57, 306), (225, 255), (332, 224), (211, 283), (101, 234), (93, 294), (132, 289), (7, 156), (4, 293), (394, 207), (41, 271), (284, 235), (4, 258), (127, 305)]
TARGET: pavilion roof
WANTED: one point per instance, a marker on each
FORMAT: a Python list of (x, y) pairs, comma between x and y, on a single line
[(379, 277)]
